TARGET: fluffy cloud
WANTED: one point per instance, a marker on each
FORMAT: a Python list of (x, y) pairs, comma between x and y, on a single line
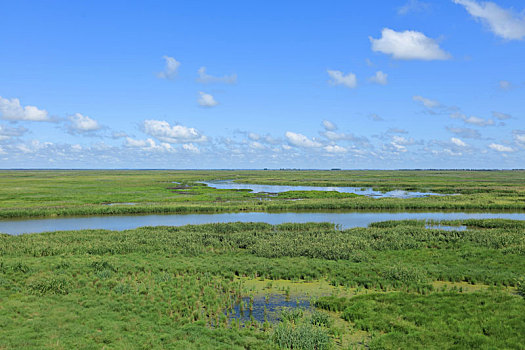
[(148, 145), (11, 109), (328, 125), (190, 147), (504, 23), (338, 78), (458, 142), (172, 134), (300, 140), (500, 148), (379, 78), (82, 124), (206, 78), (408, 45), (171, 68), (335, 149), (206, 100), (472, 119), (426, 102)]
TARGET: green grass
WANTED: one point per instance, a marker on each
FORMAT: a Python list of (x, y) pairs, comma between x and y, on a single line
[(169, 287), (52, 193)]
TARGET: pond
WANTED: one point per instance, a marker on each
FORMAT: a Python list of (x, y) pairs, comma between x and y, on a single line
[(124, 222), (365, 191)]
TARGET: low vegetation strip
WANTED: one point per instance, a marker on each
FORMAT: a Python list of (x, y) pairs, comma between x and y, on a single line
[(67, 193), (158, 287)]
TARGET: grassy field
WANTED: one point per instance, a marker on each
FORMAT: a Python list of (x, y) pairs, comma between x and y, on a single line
[(392, 285), (53, 193)]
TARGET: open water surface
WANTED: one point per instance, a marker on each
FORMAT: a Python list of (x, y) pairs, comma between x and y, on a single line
[(125, 222)]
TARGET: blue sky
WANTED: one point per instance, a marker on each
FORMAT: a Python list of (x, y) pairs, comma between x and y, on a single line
[(262, 84)]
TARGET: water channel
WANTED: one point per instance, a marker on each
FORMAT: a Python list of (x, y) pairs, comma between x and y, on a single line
[(124, 222)]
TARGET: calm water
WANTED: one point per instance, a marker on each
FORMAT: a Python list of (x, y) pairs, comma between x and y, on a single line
[(267, 308), (345, 220), (230, 185)]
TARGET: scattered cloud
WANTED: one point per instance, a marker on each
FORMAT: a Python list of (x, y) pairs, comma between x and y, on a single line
[(162, 131), (81, 124), (328, 125), (396, 131), (148, 145), (375, 117), (335, 149), (505, 85), (190, 147), (171, 68), (501, 116), (379, 78), (465, 132), (206, 78), (300, 140), (458, 142), (338, 78), (11, 109), (426, 102), (472, 119), (7, 132), (118, 134), (519, 137), (500, 148), (413, 6), (408, 45), (206, 100), (502, 22)]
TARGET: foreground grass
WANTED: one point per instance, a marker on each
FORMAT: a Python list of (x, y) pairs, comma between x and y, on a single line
[(52, 193), (169, 287)]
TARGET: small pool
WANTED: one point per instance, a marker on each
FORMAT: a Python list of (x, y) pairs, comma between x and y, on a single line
[(364, 191)]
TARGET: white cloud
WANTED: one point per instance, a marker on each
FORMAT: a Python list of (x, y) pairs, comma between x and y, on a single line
[(400, 140), (458, 142), (426, 102), (501, 116), (500, 148), (7, 132), (206, 78), (171, 68), (300, 140), (257, 145), (408, 45), (379, 78), (338, 78), (206, 100), (328, 125), (130, 142), (413, 6), (519, 137), (190, 147), (148, 145), (11, 109), (505, 85), (172, 134), (472, 119), (82, 123), (504, 23), (335, 149)]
